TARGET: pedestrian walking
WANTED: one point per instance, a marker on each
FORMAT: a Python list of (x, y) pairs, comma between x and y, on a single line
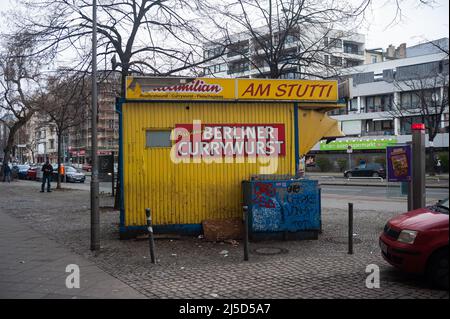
[(47, 170), (438, 166), (6, 173)]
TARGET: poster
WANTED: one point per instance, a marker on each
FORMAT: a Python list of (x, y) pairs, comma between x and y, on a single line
[(398, 163)]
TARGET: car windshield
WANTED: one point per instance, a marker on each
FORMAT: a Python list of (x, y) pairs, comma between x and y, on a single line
[(70, 169), (441, 206), (23, 167), (444, 203)]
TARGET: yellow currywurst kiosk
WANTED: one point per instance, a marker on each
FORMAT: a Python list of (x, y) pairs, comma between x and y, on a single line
[(186, 144)]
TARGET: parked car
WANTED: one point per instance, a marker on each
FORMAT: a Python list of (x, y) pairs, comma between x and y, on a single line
[(367, 170), (417, 242), (32, 173), (87, 167), (73, 175), (20, 171)]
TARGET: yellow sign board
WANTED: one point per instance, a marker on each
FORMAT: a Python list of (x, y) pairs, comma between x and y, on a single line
[(306, 90), (142, 88)]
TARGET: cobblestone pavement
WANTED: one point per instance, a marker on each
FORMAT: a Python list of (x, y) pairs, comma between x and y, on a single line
[(190, 267)]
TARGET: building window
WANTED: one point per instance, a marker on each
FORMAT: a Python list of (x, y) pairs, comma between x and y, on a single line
[(354, 104), (379, 103), (334, 43), (336, 61), (410, 100), (373, 59), (52, 143), (210, 53), (352, 48), (158, 138), (240, 48), (238, 67), (350, 63), (217, 68), (326, 59)]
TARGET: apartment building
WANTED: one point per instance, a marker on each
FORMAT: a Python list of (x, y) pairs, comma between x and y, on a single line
[(79, 138), (374, 92), (76, 142), (244, 57)]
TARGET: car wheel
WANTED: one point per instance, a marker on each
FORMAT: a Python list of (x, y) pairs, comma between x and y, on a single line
[(375, 174), (437, 272)]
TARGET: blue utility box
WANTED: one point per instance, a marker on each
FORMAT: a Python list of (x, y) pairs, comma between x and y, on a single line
[(285, 208)]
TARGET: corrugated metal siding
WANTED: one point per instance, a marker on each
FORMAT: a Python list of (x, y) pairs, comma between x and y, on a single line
[(189, 193)]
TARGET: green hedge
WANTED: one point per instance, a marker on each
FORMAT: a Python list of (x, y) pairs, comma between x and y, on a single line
[(324, 164)]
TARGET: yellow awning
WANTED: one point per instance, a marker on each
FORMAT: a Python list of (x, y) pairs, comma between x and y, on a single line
[(314, 126)]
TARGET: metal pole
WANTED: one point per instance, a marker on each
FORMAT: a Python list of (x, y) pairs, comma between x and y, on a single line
[(349, 161), (95, 216), (350, 228), (151, 241), (409, 183), (112, 182), (418, 166), (245, 210)]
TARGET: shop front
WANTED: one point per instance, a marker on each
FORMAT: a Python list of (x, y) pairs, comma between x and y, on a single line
[(187, 144)]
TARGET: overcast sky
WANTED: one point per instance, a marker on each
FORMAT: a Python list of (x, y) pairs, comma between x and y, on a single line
[(417, 24)]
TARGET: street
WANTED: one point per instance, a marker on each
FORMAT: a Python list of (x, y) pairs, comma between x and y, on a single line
[(190, 267), (391, 192)]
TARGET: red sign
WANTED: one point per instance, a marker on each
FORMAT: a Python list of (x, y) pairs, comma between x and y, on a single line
[(229, 140)]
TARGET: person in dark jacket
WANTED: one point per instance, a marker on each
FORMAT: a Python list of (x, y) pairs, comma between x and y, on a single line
[(47, 170), (7, 173)]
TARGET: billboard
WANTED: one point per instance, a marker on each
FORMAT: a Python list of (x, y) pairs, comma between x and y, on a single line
[(398, 162), (342, 145)]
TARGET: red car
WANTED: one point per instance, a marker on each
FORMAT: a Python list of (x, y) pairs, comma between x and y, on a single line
[(417, 242), (87, 167), (32, 172)]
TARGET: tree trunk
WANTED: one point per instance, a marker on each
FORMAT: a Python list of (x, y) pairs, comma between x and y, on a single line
[(432, 160), (9, 145), (58, 184)]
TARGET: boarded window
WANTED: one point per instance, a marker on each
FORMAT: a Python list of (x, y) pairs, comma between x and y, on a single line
[(157, 138)]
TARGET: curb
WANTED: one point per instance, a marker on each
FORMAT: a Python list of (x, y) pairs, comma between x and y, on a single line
[(377, 185)]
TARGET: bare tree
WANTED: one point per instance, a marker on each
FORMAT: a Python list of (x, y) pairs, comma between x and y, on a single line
[(285, 35), (156, 37), (424, 97), (19, 84), (64, 106)]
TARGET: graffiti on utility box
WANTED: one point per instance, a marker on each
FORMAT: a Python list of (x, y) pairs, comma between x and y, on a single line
[(290, 205)]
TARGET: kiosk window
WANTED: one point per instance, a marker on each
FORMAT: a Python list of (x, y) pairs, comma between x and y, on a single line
[(157, 138)]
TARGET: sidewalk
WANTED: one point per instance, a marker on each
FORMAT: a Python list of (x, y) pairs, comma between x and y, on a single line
[(331, 178), (33, 266)]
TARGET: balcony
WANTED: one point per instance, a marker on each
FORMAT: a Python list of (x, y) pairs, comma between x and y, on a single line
[(353, 49)]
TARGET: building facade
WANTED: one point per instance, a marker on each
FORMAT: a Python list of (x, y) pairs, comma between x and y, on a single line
[(383, 99), (76, 142), (80, 137), (244, 57)]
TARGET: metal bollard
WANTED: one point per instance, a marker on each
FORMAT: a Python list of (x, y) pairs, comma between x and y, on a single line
[(150, 235), (245, 210), (350, 228)]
